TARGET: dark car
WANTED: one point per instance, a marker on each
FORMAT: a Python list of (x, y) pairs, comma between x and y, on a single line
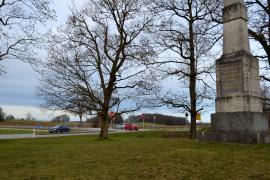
[(59, 128)]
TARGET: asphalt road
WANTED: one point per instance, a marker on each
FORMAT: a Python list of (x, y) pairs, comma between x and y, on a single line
[(91, 131), (27, 136)]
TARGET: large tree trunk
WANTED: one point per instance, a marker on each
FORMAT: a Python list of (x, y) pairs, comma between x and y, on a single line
[(80, 115), (193, 101), (193, 127), (193, 109), (104, 120), (192, 78)]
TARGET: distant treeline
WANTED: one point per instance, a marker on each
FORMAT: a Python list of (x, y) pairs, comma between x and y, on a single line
[(159, 119), (148, 118), (61, 118), (95, 121)]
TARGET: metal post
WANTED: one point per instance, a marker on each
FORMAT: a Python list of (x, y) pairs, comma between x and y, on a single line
[(186, 121), (34, 133), (155, 117)]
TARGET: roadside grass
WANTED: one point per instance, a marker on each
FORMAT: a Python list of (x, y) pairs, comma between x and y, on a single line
[(148, 125), (15, 131), (18, 123), (26, 123), (75, 124), (30, 131), (138, 155)]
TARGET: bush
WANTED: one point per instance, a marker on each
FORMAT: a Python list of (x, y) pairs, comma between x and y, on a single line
[(10, 117)]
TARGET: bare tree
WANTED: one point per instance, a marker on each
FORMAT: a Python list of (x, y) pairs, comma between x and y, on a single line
[(100, 55), (66, 100), (77, 108), (61, 118), (18, 21), (186, 34), (259, 29), (29, 117)]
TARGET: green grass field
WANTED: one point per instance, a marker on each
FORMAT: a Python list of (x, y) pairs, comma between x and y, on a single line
[(142, 155), (15, 131)]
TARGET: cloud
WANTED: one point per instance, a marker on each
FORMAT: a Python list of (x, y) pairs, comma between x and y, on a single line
[(18, 84)]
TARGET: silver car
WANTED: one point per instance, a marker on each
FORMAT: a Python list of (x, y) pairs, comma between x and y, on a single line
[(120, 126)]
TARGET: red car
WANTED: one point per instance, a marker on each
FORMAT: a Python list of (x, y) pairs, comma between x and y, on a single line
[(131, 127)]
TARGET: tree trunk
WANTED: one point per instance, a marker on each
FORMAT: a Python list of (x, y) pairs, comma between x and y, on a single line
[(193, 109), (192, 78), (80, 115), (104, 119), (193, 127), (105, 107)]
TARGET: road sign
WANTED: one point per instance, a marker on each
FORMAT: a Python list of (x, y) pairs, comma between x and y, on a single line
[(112, 115), (198, 117), (142, 117)]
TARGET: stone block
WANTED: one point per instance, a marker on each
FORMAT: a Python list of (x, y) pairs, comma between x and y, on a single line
[(238, 30), (239, 104), (230, 2), (235, 11), (238, 85), (266, 139), (235, 137), (239, 121)]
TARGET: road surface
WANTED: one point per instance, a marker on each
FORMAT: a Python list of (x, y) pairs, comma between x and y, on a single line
[(91, 131)]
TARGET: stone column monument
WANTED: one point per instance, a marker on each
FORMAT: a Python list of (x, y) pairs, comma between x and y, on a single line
[(239, 116)]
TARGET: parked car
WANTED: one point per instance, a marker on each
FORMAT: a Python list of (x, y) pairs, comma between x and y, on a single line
[(131, 127), (59, 129), (120, 126)]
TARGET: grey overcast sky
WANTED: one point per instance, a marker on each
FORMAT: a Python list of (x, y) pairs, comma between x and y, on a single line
[(18, 85)]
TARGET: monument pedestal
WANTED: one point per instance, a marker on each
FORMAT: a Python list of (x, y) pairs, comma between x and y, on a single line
[(252, 122), (235, 137), (239, 113), (238, 116), (243, 127), (238, 83), (237, 127)]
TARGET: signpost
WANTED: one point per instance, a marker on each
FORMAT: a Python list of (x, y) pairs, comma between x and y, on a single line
[(112, 116), (154, 118), (186, 121), (142, 118), (34, 133)]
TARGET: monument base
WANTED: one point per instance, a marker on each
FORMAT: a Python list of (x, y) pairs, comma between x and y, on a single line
[(235, 137), (239, 121), (240, 127)]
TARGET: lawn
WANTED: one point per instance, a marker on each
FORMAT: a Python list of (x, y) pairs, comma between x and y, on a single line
[(142, 155), (15, 131), (35, 123)]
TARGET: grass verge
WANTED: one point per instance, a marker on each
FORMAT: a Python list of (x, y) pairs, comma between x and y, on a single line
[(140, 155), (15, 131)]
